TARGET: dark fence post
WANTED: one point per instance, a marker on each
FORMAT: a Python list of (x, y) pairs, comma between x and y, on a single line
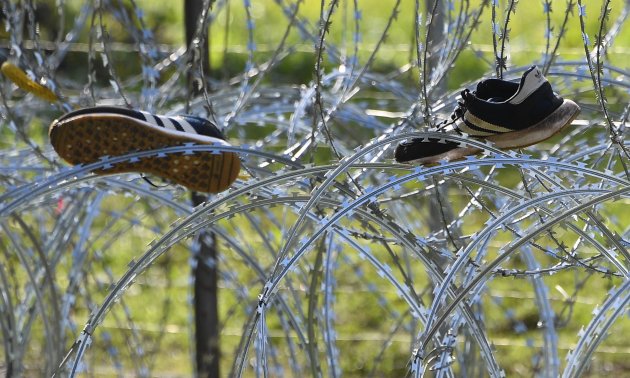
[(206, 302), (437, 38), (205, 269)]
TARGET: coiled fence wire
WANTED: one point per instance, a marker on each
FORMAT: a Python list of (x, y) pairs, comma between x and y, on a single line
[(333, 259)]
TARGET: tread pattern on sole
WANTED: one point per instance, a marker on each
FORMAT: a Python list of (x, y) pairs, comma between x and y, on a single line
[(85, 139)]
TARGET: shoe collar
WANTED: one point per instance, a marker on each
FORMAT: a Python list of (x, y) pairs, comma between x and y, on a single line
[(531, 80), (495, 90)]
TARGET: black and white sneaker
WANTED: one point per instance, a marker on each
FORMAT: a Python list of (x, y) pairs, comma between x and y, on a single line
[(509, 114), (85, 136)]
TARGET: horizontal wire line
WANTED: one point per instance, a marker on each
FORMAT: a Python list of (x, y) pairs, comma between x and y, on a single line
[(268, 48)]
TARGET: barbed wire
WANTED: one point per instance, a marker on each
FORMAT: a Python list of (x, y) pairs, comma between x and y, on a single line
[(326, 244)]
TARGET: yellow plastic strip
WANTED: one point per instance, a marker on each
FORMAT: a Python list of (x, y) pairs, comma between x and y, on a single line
[(19, 78)]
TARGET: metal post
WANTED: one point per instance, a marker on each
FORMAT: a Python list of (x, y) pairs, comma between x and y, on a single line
[(205, 270), (436, 38), (206, 302)]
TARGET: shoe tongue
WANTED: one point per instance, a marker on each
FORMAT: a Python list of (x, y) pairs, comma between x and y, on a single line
[(532, 79)]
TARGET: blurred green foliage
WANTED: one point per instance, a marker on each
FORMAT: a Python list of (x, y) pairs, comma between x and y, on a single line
[(229, 35)]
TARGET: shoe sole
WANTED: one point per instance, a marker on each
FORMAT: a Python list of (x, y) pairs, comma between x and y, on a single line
[(543, 130), (85, 139)]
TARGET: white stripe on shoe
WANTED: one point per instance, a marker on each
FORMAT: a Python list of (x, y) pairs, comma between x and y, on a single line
[(480, 123), (185, 125), (150, 118), (167, 123), (463, 127)]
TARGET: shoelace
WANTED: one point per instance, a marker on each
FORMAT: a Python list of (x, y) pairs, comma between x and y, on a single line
[(457, 113), (145, 178)]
